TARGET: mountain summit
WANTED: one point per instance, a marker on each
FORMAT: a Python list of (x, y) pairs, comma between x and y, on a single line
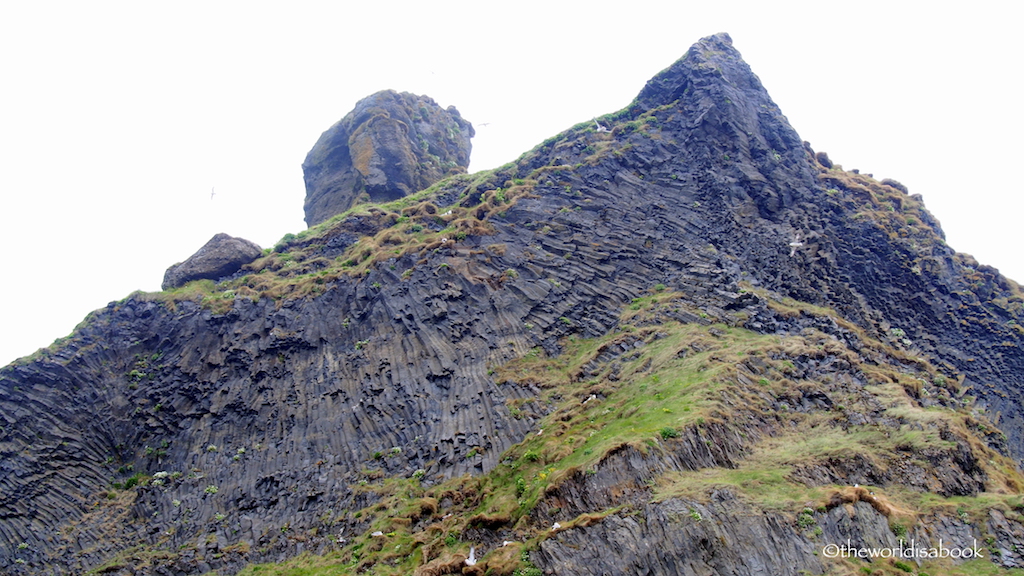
[(669, 340)]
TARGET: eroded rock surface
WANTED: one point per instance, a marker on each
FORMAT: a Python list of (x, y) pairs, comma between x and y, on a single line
[(222, 256), (391, 145), (273, 413)]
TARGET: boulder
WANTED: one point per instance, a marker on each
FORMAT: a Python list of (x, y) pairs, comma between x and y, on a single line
[(222, 256), (391, 145)]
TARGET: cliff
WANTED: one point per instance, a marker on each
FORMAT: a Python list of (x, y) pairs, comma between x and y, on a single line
[(674, 340)]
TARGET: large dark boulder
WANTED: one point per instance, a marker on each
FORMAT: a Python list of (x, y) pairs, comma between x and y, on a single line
[(391, 145), (222, 256)]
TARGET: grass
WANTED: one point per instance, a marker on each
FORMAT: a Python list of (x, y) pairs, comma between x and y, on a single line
[(296, 267), (302, 565), (649, 386)]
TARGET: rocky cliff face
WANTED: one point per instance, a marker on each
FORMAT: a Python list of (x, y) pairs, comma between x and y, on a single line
[(644, 348), (391, 145)]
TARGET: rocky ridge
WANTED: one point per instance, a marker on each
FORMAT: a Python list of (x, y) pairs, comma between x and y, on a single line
[(391, 342)]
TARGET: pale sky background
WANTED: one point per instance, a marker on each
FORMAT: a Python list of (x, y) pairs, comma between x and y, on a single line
[(117, 118)]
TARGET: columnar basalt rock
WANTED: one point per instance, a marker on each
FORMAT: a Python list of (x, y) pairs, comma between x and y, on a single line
[(265, 422), (391, 145)]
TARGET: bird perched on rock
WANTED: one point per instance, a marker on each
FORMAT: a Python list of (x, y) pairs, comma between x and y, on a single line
[(472, 556), (796, 243)]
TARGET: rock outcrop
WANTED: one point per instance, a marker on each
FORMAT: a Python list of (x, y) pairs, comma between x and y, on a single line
[(365, 363), (391, 145), (222, 256)]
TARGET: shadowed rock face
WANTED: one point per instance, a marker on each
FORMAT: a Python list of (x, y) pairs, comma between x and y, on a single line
[(272, 411), (391, 145), (222, 256)]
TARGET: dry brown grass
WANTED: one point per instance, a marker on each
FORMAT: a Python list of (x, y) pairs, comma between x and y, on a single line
[(490, 521), (881, 504), (504, 560), (445, 564)]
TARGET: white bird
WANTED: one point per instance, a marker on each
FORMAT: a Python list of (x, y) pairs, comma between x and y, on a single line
[(341, 539), (472, 556), (377, 533), (796, 243), (592, 397), (539, 432), (599, 127), (505, 543), (555, 526)]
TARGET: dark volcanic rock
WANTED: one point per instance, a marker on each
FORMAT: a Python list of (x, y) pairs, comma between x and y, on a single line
[(222, 256), (267, 418), (391, 145), (676, 537)]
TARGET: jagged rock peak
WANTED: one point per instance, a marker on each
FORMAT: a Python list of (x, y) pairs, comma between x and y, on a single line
[(389, 146), (731, 125), (222, 256), (714, 75), (708, 62)]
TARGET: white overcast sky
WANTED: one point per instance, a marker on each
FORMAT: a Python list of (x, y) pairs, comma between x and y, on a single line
[(118, 118)]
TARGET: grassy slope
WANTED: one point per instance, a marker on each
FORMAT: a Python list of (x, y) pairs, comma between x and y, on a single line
[(656, 395)]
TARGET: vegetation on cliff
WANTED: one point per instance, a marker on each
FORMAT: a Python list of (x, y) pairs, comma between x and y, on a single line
[(674, 332), (675, 405)]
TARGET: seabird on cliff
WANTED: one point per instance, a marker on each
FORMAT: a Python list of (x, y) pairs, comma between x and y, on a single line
[(796, 243), (599, 127), (472, 556)]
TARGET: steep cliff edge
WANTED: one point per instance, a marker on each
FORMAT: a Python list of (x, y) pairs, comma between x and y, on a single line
[(638, 330)]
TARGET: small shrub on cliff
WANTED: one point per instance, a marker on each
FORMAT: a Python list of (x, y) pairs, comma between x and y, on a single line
[(805, 519), (137, 479)]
